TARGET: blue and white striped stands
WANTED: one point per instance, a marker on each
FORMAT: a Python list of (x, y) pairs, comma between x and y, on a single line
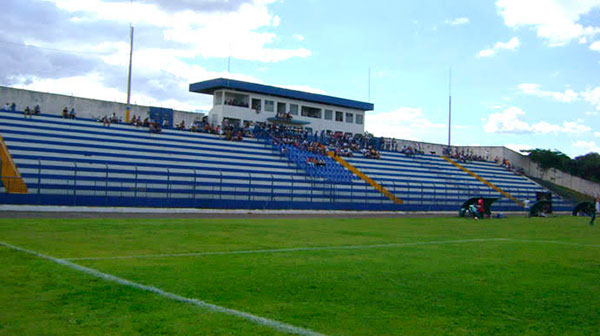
[(81, 162), (440, 185)]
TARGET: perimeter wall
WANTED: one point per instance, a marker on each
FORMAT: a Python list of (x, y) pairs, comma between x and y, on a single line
[(85, 108)]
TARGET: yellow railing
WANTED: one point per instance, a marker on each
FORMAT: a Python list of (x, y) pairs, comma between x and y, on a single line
[(367, 179), (11, 178), (486, 182)]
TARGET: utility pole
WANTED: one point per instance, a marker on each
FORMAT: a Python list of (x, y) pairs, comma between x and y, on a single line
[(449, 107), (129, 77)]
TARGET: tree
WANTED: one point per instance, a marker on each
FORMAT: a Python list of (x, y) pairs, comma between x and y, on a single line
[(585, 166)]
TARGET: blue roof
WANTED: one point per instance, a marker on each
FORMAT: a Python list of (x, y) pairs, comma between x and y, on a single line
[(210, 86)]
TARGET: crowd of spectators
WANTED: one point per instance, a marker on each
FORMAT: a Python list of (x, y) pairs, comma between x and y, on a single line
[(320, 143)]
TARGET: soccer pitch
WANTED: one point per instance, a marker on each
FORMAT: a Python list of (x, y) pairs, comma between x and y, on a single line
[(331, 276)]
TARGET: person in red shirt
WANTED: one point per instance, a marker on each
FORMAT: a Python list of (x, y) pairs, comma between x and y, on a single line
[(480, 208)]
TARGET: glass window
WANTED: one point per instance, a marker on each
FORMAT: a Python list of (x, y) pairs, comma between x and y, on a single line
[(269, 106), (339, 116), (217, 98), (311, 112), (328, 114), (236, 99), (359, 119), (256, 104), (293, 109), (349, 117), (281, 107)]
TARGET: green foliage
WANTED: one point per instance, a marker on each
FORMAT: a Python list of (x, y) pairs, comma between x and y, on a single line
[(528, 286), (585, 166)]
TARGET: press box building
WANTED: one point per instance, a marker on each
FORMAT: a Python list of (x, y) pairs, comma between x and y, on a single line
[(240, 101)]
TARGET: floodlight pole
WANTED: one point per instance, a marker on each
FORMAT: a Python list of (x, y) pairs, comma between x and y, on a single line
[(129, 77), (449, 107)]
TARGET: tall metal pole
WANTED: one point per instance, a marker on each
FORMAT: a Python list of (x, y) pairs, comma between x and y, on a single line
[(129, 77), (130, 60), (449, 107)]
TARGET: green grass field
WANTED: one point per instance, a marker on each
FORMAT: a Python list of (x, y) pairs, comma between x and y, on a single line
[(513, 276)]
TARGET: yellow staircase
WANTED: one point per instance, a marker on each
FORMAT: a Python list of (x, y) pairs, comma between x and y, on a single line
[(486, 182), (11, 178), (367, 179)]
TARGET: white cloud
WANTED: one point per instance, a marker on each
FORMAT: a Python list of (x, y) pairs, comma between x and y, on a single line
[(172, 38), (595, 46), (592, 96), (597, 134), (534, 89), (405, 123), (587, 146), (556, 21), (457, 21), (512, 44), (299, 37), (509, 122)]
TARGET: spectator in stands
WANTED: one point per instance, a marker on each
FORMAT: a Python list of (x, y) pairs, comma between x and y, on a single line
[(6, 107), (65, 113), (13, 107), (165, 123), (114, 119), (155, 127), (72, 114), (105, 121), (27, 112), (181, 126), (37, 110)]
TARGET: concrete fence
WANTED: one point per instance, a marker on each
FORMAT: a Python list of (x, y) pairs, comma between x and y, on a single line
[(84, 107)]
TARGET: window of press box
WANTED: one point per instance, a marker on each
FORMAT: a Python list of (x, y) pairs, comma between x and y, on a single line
[(269, 106), (256, 104), (293, 109), (339, 116), (236, 99), (359, 119), (328, 114), (349, 117), (311, 112)]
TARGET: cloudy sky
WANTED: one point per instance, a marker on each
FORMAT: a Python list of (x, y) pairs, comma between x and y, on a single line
[(524, 73)]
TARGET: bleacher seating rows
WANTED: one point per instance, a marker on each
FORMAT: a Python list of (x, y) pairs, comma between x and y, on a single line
[(81, 162)]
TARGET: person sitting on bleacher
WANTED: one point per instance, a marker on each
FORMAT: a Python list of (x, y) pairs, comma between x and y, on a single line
[(155, 127), (181, 126), (65, 113), (6, 107), (36, 110), (27, 112), (105, 121), (72, 114)]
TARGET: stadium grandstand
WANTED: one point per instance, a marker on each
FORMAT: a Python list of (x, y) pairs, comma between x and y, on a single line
[(259, 147)]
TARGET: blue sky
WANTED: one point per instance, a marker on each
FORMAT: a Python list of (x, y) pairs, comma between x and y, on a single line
[(525, 74)]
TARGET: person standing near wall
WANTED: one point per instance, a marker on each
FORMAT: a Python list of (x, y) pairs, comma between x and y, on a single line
[(595, 210)]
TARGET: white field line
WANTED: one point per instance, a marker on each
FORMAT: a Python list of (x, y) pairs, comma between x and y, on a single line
[(280, 326), (292, 249), (325, 248)]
